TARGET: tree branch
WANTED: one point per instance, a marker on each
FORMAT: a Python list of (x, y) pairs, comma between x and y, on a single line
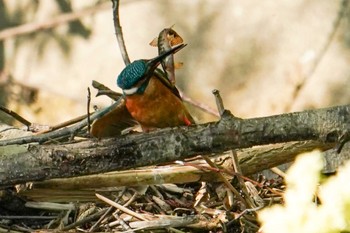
[(44, 25), (319, 56), (119, 33), (40, 162)]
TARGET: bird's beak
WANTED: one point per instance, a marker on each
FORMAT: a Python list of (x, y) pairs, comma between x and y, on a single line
[(154, 62)]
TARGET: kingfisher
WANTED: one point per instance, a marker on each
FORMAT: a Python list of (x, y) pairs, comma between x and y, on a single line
[(149, 99)]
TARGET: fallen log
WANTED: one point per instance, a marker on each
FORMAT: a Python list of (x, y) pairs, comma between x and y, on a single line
[(35, 162)]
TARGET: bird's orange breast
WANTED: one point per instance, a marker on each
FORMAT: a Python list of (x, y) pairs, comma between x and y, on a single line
[(158, 107)]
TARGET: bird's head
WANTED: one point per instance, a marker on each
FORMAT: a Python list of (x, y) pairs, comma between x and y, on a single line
[(134, 75)]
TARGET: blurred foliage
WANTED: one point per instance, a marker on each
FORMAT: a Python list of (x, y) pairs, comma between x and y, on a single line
[(300, 213), (346, 31), (3, 87), (197, 35), (25, 12), (43, 38), (75, 27)]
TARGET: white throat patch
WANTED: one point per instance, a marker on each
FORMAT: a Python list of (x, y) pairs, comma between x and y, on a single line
[(130, 91)]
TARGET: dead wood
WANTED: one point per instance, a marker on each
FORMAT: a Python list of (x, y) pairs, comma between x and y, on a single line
[(33, 162), (83, 188)]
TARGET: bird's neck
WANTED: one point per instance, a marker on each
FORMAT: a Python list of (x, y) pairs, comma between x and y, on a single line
[(139, 88)]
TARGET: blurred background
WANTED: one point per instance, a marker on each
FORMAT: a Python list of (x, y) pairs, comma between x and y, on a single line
[(257, 53)]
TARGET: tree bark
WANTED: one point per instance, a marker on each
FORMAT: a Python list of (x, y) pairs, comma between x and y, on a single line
[(33, 162)]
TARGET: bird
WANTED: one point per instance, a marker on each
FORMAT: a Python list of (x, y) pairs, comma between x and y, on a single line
[(149, 99), (113, 122)]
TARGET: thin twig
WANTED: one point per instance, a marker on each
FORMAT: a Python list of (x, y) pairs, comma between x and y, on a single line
[(59, 133), (44, 25), (63, 124), (257, 183), (103, 90), (124, 225), (298, 89), (11, 217), (109, 210), (218, 100), (15, 116), (238, 170), (119, 33), (230, 173), (85, 220), (228, 184), (278, 171), (199, 105), (126, 210), (248, 211), (120, 207), (336, 23), (88, 110), (235, 161), (200, 167)]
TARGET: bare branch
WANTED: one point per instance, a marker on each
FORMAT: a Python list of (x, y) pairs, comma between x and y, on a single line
[(64, 132), (219, 102), (119, 33), (325, 126), (47, 24), (199, 105), (300, 86), (88, 110), (15, 116)]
